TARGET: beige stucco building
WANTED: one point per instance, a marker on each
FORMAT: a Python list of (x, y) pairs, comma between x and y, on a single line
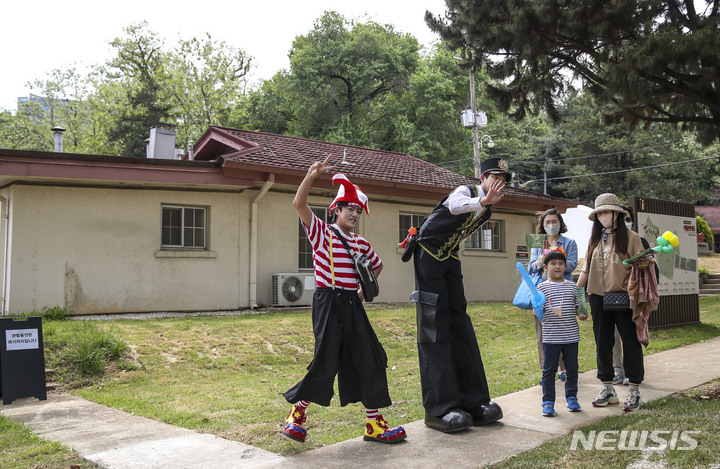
[(99, 234)]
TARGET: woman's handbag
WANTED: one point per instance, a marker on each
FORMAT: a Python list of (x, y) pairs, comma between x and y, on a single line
[(523, 295), (616, 301), (363, 267)]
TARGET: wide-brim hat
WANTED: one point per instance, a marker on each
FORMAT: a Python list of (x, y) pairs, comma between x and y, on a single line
[(495, 166), (607, 202), (350, 193)]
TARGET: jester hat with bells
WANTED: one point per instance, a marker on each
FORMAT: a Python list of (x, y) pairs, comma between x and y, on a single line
[(350, 193)]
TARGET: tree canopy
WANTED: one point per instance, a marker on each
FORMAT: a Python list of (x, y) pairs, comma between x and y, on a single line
[(644, 60), (341, 71)]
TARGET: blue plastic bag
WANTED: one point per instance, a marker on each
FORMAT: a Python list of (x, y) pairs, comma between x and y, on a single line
[(523, 296)]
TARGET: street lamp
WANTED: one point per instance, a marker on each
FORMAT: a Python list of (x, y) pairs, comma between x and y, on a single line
[(490, 143), (477, 160)]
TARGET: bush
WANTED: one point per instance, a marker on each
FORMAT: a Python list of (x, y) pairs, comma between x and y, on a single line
[(81, 349), (704, 228), (91, 350)]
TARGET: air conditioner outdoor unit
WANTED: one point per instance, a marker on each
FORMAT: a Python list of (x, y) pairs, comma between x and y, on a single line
[(293, 289)]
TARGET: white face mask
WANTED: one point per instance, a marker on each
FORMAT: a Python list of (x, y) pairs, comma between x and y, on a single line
[(629, 225), (606, 219), (552, 230)]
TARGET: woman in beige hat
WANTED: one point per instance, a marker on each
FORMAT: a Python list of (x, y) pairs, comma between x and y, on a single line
[(610, 244)]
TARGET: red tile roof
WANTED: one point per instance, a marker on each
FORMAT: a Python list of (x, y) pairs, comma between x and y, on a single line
[(258, 149)]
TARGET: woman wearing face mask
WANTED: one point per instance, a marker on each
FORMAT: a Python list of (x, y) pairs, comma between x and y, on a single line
[(552, 224), (610, 244)]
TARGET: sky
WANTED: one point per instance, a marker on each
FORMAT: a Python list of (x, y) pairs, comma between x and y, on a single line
[(40, 36)]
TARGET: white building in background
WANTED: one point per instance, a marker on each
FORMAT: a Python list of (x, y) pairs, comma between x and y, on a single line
[(579, 227)]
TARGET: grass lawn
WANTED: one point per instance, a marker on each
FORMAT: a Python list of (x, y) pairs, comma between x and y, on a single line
[(223, 374), (20, 449), (696, 411)]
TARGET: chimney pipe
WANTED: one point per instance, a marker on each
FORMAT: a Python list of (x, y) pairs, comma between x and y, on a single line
[(191, 152), (58, 138)]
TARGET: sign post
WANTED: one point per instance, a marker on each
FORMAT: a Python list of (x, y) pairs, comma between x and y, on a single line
[(22, 359)]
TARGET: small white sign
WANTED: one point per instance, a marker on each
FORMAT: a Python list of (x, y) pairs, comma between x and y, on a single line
[(22, 339)]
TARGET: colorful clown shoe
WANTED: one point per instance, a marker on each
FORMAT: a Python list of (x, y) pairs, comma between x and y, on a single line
[(377, 430), (294, 424)]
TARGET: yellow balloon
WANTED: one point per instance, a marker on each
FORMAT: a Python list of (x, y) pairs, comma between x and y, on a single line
[(668, 235), (674, 241)]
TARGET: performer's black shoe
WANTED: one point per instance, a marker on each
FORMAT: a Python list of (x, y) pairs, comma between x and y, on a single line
[(453, 421), (486, 413)]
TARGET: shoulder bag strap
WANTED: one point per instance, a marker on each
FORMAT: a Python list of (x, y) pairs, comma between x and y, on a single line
[(602, 263), (332, 263), (342, 240)]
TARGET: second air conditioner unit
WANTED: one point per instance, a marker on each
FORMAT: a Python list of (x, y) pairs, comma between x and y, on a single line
[(293, 289)]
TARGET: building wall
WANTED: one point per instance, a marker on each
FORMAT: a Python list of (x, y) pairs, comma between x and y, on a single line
[(489, 276), (97, 251)]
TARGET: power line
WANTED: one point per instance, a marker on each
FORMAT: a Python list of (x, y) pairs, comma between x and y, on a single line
[(619, 170), (615, 152), (451, 164)]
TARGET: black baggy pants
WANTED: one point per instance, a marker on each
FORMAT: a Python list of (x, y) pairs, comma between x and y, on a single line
[(452, 374), (346, 346)]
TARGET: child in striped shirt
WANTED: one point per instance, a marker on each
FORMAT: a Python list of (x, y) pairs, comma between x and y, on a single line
[(345, 342), (560, 332)]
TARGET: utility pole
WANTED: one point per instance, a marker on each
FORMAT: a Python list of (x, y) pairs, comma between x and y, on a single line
[(473, 108)]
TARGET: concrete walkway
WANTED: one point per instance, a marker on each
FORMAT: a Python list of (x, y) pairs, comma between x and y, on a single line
[(117, 440)]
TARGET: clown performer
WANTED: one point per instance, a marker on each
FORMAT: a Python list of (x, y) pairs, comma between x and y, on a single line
[(452, 376), (345, 342)]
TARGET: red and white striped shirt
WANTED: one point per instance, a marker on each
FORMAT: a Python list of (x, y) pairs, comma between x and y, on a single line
[(345, 277)]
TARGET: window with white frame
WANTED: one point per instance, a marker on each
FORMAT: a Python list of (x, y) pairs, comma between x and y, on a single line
[(305, 252), (488, 237), (184, 227), (407, 220)]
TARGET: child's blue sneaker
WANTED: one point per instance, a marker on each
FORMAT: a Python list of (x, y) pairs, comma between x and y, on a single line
[(548, 409), (572, 404), (562, 376)]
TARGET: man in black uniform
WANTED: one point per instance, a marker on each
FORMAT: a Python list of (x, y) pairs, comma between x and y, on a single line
[(454, 386)]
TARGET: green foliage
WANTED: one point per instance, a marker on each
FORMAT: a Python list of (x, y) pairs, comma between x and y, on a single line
[(81, 350), (703, 271), (653, 60), (199, 83), (139, 72), (341, 73), (269, 107), (362, 83), (48, 313), (586, 157), (704, 228), (54, 313), (206, 86)]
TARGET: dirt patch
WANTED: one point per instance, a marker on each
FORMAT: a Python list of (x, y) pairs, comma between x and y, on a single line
[(711, 262), (708, 391)]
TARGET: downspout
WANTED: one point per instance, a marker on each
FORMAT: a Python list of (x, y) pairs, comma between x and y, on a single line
[(254, 238)]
